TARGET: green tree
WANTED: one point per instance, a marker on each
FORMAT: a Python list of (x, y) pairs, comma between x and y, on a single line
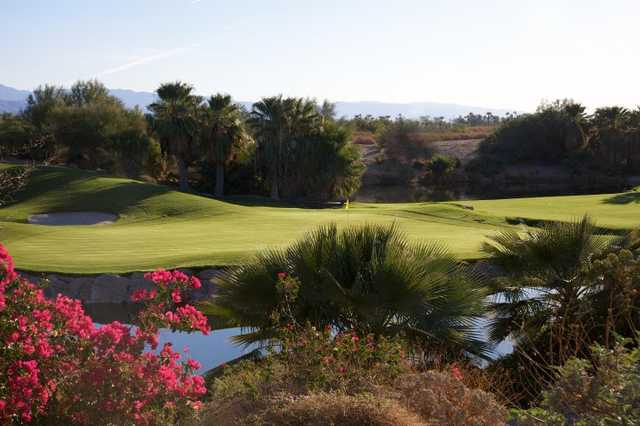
[(278, 122), (223, 129), (175, 122), (16, 135), (367, 278), (84, 93), (39, 112), (87, 132)]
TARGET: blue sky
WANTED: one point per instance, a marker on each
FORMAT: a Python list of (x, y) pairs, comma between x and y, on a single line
[(494, 53)]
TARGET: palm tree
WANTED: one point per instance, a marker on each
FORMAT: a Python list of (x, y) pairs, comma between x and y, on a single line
[(367, 278), (175, 122), (610, 129), (278, 122), (542, 291), (268, 119), (223, 129), (575, 133), (327, 111)]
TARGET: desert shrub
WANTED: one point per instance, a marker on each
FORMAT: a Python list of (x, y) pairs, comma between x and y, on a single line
[(316, 360), (603, 390), (343, 379), (402, 141), (440, 166), (58, 367), (440, 398), (335, 409)]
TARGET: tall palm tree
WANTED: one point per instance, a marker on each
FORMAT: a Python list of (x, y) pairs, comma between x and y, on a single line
[(223, 129), (575, 128), (542, 290), (366, 278), (269, 121), (610, 126), (278, 122), (175, 122)]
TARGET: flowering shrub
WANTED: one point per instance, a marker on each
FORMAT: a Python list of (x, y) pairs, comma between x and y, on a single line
[(57, 366)]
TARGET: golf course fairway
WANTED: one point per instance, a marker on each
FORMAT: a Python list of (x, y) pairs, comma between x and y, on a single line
[(159, 227)]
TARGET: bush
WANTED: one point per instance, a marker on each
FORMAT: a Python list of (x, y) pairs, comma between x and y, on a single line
[(58, 367), (318, 378), (602, 391), (319, 409), (12, 181), (440, 166), (346, 276)]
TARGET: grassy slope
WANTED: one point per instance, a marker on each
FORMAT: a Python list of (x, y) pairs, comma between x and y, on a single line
[(159, 227)]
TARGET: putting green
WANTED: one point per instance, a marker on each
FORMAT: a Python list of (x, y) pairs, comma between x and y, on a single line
[(158, 227)]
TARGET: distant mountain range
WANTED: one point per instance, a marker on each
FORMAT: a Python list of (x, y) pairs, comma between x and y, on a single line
[(14, 100)]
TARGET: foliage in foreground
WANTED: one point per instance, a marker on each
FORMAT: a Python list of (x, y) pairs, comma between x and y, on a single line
[(565, 289), (58, 367), (601, 391), (364, 278), (320, 378)]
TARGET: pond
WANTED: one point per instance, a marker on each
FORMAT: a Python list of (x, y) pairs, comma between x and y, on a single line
[(218, 347), (211, 351)]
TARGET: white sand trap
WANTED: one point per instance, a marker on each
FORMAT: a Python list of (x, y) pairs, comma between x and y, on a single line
[(73, 218)]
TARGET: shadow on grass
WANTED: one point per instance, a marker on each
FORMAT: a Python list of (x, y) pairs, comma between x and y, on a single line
[(626, 198), (114, 197), (257, 201)]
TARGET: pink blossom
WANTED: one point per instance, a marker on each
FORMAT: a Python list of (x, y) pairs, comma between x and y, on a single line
[(52, 350)]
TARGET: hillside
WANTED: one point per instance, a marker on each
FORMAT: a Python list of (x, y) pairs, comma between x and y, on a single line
[(160, 227)]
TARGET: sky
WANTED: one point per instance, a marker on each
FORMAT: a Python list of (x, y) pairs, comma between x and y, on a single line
[(492, 53)]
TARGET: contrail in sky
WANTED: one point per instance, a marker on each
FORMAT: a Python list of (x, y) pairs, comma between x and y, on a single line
[(146, 60)]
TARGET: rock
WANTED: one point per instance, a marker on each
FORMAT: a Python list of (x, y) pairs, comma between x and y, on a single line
[(109, 289), (112, 288)]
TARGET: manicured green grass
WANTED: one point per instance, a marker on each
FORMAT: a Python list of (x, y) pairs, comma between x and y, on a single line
[(163, 228)]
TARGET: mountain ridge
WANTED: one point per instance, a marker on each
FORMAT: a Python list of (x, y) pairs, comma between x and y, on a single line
[(14, 100)]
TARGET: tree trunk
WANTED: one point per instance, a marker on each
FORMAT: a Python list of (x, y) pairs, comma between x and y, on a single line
[(219, 178), (275, 195), (183, 171)]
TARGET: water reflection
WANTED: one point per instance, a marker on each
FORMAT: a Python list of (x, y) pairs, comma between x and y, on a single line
[(211, 351), (216, 348)]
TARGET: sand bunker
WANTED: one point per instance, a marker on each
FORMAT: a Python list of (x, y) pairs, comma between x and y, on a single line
[(73, 218)]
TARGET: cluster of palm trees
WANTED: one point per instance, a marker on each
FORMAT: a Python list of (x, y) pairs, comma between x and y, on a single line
[(185, 125), (286, 131)]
